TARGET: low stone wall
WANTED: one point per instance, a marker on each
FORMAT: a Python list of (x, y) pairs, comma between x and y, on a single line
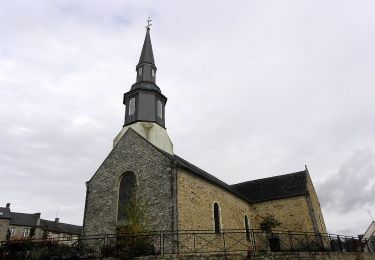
[(269, 256)]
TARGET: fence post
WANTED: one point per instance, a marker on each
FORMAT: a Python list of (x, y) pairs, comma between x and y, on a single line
[(162, 239), (253, 240), (354, 245), (368, 248), (225, 250), (319, 240), (178, 242), (290, 241), (330, 242), (307, 241), (194, 242), (160, 242), (340, 245)]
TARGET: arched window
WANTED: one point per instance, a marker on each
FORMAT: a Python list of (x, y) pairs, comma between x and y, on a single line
[(159, 109), (217, 224), (126, 191), (132, 106), (247, 228)]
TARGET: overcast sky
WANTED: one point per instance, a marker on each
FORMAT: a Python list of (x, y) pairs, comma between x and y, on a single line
[(255, 89)]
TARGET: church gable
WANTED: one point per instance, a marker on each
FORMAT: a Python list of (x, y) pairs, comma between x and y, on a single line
[(152, 172)]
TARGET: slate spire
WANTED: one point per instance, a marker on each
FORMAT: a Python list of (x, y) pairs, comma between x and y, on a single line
[(147, 55), (146, 69)]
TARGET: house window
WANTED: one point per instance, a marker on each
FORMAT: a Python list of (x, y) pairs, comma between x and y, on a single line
[(12, 231), (247, 228), (140, 71), (132, 106), (217, 224), (159, 109), (25, 232), (126, 193)]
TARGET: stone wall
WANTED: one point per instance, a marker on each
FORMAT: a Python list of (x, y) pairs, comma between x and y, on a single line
[(293, 213), (4, 225), (313, 200), (154, 184), (195, 199)]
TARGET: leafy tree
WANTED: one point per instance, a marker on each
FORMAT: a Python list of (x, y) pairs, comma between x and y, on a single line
[(9, 233), (45, 233), (269, 223), (135, 220), (133, 238), (32, 232)]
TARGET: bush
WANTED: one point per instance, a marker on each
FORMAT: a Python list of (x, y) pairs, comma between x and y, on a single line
[(269, 223)]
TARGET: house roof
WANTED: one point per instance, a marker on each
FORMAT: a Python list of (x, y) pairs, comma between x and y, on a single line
[(24, 219), (58, 227), (5, 213), (277, 187)]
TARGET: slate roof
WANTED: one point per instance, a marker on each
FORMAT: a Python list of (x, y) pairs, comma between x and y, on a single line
[(277, 187), (5, 213), (147, 55), (32, 220), (58, 227), (24, 219)]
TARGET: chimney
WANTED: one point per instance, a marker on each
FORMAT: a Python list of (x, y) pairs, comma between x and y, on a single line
[(8, 205), (38, 218), (57, 220)]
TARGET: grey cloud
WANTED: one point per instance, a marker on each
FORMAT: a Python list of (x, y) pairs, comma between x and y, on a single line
[(352, 187)]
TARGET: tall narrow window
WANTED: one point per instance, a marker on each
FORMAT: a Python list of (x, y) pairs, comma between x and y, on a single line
[(132, 106), (217, 225), (140, 71), (153, 73), (126, 192), (25, 232), (247, 228), (159, 109), (12, 231)]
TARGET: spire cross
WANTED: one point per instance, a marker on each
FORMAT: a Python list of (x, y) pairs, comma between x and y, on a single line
[(148, 23)]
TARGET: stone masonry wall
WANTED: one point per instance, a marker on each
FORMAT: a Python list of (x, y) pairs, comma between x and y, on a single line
[(154, 178), (195, 199), (293, 213), (4, 225), (317, 211)]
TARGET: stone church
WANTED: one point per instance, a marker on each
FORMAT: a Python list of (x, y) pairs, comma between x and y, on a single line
[(179, 195)]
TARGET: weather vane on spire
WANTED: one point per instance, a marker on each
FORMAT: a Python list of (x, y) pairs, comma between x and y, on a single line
[(148, 23)]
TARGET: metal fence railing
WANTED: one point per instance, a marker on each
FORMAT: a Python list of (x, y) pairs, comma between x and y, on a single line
[(186, 242)]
